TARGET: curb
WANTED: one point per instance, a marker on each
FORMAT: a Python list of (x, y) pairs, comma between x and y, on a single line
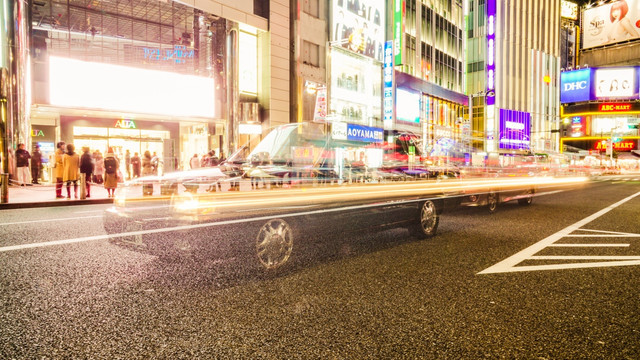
[(27, 205)]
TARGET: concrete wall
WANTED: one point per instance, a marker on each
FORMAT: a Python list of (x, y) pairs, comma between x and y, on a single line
[(626, 54)]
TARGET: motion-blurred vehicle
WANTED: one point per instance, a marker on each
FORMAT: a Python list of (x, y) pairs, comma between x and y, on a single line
[(301, 180)]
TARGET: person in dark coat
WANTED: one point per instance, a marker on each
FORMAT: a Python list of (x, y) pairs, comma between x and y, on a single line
[(36, 165), (86, 168), (22, 165), (136, 164)]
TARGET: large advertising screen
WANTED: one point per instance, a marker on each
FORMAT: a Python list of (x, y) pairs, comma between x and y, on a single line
[(611, 23), (515, 129), (615, 83), (75, 83), (408, 106), (359, 26)]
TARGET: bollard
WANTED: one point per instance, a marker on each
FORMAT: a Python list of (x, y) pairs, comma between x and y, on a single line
[(4, 192), (83, 186)]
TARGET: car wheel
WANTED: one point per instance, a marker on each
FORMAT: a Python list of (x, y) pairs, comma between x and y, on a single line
[(528, 200), (427, 224), (274, 243), (492, 202)]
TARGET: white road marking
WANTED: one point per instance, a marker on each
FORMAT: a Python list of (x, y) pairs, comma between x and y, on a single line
[(602, 235), (510, 264), (47, 220), (608, 232), (582, 257), (589, 245)]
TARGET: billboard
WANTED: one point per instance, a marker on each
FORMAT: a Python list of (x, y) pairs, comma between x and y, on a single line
[(611, 83), (515, 129), (359, 26), (575, 86), (615, 82), (407, 106), (569, 10), (611, 23), (130, 89)]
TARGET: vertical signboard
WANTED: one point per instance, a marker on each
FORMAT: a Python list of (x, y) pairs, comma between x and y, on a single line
[(515, 129), (320, 111), (398, 30), (387, 94), (491, 52)]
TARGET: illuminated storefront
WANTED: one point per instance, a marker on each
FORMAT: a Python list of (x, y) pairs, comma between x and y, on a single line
[(434, 113), (149, 76), (600, 104)]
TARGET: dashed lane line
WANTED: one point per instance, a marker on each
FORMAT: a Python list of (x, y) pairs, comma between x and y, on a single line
[(511, 264)]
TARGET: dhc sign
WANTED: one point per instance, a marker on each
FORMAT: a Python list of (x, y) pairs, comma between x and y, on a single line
[(575, 86)]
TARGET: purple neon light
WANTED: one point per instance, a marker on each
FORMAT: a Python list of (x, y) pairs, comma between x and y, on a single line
[(490, 88), (515, 129)]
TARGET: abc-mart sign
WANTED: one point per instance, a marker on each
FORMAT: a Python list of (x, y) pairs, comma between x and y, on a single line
[(591, 84)]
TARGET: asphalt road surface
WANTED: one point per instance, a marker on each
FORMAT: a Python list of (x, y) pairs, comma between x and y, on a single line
[(556, 280)]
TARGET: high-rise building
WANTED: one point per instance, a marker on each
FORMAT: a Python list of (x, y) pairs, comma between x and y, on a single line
[(513, 63)]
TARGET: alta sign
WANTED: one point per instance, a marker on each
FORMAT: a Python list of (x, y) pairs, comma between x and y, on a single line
[(614, 107), (125, 124)]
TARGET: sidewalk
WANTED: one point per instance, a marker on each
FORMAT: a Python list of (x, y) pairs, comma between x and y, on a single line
[(45, 196)]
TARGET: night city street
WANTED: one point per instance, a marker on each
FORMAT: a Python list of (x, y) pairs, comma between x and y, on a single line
[(374, 295)]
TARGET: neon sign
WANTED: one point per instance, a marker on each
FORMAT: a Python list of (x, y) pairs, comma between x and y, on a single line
[(491, 52), (614, 107), (35, 133), (621, 145), (125, 124), (178, 54)]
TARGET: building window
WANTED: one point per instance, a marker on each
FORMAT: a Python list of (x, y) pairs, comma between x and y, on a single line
[(311, 7), (310, 54)]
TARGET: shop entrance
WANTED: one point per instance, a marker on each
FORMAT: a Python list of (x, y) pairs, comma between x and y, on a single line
[(121, 140)]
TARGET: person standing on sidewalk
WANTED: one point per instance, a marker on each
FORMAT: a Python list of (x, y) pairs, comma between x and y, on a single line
[(127, 163), (36, 165), (147, 169), (71, 165), (135, 164), (110, 172), (58, 170), (194, 163), (22, 164), (98, 170), (86, 168)]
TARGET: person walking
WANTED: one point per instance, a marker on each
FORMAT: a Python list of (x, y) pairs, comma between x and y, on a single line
[(71, 165), (147, 169), (98, 170), (86, 168), (135, 164), (58, 170), (127, 163), (110, 172), (22, 165), (213, 159), (155, 162), (36, 165), (194, 163)]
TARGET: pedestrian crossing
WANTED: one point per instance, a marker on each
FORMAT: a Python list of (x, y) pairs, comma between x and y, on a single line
[(539, 257)]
